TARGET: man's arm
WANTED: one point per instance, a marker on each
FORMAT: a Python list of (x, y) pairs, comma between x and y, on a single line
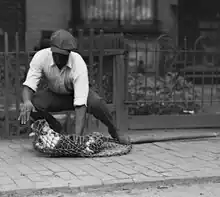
[(30, 86), (81, 91), (33, 76), (27, 94)]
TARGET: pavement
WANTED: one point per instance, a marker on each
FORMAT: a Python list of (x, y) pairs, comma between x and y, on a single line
[(24, 170), (196, 190)]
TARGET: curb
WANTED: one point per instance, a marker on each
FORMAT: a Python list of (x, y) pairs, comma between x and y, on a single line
[(118, 185)]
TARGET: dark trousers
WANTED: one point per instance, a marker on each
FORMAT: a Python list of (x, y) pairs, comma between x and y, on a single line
[(47, 101)]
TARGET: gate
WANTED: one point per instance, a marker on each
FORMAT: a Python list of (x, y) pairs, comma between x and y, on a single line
[(104, 55), (172, 88)]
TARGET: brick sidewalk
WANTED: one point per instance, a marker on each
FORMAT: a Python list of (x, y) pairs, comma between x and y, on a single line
[(22, 168)]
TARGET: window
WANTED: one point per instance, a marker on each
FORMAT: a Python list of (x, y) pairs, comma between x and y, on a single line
[(120, 11)]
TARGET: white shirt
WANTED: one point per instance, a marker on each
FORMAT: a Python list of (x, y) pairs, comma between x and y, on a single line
[(74, 75)]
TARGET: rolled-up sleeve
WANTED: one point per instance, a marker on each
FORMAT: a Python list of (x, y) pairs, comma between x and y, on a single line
[(35, 71), (81, 89), (81, 82)]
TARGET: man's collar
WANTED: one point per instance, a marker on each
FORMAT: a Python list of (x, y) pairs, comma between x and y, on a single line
[(69, 63)]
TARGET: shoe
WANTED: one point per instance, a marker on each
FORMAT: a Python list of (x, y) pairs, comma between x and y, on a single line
[(122, 139)]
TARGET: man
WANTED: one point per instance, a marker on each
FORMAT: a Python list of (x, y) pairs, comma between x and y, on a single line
[(68, 88)]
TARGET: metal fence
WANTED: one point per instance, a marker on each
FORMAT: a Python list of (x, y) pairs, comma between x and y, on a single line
[(150, 79), (161, 77), (166, 82)]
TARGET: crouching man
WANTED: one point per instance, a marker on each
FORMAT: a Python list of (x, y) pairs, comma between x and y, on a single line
[(68, 88)]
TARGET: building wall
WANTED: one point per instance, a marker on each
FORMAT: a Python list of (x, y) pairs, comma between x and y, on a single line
[(45, 15), (55, 14), (12, 21), (169, 22)]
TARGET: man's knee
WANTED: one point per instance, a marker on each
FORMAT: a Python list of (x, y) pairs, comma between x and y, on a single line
[(38, 104)]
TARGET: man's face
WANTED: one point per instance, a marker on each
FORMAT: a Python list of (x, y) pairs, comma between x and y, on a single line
[(60, 60)]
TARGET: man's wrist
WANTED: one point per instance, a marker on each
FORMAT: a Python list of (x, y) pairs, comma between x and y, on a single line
[(27, 101)]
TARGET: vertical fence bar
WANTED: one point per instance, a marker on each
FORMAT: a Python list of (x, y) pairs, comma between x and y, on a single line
[(216, 83), (101, 54), (136, 69), (126, 60), (6, 99), (185, 64), (125, 83), (100, 69), (166, 53), (212, 83), (185, 53), (114, 70), (146, 69), (27, 55), (176, 77), (117, 91), (157, 54), (100, 47), (17, 82), (114, 86), (91, 66), (80, 40), (91, 47), (194, 78), (203, 88)]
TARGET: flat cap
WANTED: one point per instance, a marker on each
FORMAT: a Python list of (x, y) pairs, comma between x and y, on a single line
[(62, 42)]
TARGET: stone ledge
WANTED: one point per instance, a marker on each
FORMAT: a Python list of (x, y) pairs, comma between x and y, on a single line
[(79, 186)]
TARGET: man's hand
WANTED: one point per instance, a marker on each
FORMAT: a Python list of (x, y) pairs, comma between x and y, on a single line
[(25, 112)]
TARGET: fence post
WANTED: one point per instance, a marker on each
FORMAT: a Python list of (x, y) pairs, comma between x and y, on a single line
[(17, 82), (6, 88), (91, 69), (101, 41), (101, 54), (125, 74), (80, 40), (27, 55), (121, 111)]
